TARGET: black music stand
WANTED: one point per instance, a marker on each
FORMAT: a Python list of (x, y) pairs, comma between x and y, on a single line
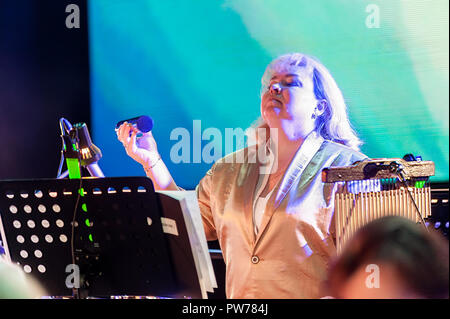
[(119, 242)]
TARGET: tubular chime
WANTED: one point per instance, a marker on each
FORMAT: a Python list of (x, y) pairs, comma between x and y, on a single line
[(376, 188)]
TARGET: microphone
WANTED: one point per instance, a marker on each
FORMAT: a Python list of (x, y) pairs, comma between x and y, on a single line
[(143, 123), (78, 150), (90, 154)]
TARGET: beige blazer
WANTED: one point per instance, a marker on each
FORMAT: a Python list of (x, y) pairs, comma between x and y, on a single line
[(289, 256)]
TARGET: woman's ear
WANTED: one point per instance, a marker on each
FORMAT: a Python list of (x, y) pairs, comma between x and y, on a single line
[(321, 107)]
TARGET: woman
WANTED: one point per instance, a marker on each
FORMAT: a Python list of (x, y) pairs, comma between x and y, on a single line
[(273, 224)]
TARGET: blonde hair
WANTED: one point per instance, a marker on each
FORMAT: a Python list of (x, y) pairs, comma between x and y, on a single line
[(333, 124)]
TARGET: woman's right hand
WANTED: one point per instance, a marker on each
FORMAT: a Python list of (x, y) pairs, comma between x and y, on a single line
[(143, 149)]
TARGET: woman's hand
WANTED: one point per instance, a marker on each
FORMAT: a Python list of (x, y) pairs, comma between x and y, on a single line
[(143, 149)]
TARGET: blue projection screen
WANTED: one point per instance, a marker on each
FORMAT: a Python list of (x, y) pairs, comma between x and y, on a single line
[(196, 67)]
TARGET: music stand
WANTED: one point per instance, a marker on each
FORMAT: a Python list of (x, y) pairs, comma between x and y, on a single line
[(119, 242)]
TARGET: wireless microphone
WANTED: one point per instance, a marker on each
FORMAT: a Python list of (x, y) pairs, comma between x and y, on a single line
[(143, 123)]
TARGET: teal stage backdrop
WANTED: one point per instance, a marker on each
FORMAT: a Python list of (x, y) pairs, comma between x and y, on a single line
[(179, 61)]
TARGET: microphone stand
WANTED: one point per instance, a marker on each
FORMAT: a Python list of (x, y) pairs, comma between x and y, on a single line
[(93, 169)]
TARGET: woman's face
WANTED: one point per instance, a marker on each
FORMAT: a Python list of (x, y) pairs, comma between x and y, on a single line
[(289, 103)]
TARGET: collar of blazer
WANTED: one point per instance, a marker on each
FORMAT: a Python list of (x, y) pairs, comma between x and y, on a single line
[(295, 169), (298, 164)]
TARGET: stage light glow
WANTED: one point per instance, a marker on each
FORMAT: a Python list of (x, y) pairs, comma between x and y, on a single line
[(179, 64)]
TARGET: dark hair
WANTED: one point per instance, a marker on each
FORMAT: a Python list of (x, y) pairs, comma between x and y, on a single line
[(418, 256)]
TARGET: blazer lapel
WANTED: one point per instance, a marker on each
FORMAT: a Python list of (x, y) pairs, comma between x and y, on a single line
[(301, 159), (251, 173)]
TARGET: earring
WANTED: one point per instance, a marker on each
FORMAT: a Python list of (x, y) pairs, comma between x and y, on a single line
[(314, 115)]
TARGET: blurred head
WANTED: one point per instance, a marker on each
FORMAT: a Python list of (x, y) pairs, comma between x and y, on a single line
[(391, 258), (15, 284), (299, 95)]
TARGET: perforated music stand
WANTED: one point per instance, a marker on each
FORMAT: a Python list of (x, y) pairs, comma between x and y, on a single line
[(120, 246)]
